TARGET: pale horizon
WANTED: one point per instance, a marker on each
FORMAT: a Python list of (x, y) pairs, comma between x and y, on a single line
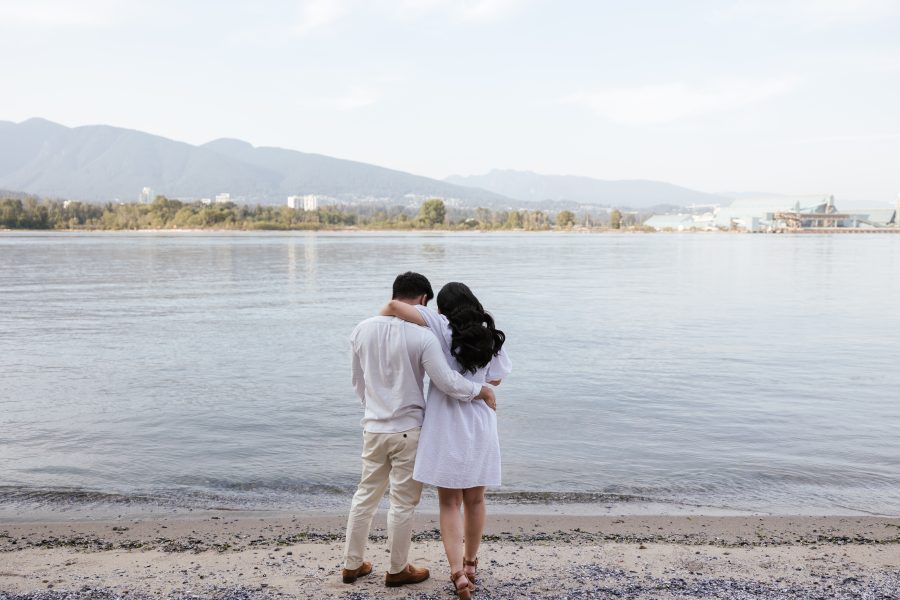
[(794, 97)]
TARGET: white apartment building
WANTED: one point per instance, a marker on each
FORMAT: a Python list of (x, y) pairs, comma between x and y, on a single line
[(223, 198), (147, 196), (307, 202), (310, 202)]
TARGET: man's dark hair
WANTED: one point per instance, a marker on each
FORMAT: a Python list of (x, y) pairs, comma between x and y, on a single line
[(411, 285)]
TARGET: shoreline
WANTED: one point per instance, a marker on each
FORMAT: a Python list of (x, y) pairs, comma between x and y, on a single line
[(358, 230), (24, 505), (352, 230), (249, 554)]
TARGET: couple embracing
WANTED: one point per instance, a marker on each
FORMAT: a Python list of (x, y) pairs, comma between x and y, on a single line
[(449, 442)]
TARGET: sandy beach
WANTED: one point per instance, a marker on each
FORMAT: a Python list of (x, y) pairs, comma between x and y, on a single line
[(234, 554)]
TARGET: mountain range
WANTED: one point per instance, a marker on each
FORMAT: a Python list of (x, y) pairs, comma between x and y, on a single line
[(105, 163), (527, 186), (102, 163)]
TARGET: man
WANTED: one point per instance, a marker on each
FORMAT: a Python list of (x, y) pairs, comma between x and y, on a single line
[(390, 358)]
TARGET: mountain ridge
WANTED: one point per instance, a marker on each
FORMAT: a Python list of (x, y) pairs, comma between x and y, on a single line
[(103, 162), (581, 190), (108, 163)]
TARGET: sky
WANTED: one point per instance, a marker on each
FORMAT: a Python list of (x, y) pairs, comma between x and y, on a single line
[(786, 96)]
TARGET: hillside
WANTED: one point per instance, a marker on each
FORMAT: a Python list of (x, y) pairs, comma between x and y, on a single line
[(561, 190), (102, 163)]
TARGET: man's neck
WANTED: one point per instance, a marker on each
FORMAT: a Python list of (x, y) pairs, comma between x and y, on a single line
[(410, 301)]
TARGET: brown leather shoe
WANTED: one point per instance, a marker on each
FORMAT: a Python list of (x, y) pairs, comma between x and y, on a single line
[(350, 575), (410, 574)]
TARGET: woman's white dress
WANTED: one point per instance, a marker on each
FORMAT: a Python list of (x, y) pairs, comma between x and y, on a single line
[(458, 446)]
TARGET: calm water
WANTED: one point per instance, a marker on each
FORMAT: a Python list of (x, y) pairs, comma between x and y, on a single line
[(736, 371)]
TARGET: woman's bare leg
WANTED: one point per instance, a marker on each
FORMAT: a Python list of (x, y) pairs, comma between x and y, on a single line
[(450, 501), (475, 512)]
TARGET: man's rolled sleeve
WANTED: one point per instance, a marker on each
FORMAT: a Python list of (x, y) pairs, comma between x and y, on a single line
[(446, 379), (359, 381)]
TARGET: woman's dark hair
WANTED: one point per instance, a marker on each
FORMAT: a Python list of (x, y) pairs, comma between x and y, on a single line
[(475, 340)]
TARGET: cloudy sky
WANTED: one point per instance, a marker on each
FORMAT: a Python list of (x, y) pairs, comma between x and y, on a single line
[(793, 96)]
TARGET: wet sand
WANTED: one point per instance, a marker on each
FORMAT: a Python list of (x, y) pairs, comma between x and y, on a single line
[(239, 554)]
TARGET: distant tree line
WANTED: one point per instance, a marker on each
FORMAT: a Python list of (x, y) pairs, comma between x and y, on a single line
[(163, 213)]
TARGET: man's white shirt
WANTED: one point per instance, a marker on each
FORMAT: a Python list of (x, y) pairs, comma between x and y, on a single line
[(390, 358)]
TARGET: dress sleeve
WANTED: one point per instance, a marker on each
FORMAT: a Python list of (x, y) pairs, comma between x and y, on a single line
[(499, 367), (434, 320)]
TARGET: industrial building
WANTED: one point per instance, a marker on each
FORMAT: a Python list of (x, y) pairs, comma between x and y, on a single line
[(783, 214)]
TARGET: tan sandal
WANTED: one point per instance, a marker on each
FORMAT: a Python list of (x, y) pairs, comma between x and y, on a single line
[(464, 592), (470, 563)]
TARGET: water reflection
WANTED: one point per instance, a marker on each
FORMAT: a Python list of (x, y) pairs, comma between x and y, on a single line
[(311, 258), (736, 370)]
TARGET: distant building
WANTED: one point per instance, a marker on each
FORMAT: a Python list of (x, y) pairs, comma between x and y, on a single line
[(681, 222), (872, 217), (223, 198), (147, 196), (761, 214), (206, 201), (310, 202), (671, 222), (795, 213)]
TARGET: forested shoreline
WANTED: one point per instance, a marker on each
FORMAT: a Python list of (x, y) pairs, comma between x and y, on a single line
[(163, 213)]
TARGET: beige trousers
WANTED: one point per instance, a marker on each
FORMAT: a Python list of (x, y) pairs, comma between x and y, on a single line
[(387, 458)]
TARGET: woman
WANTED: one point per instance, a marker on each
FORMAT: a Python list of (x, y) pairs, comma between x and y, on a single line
[(459, 451)]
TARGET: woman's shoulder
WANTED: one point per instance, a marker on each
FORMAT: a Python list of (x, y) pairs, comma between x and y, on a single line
[(433, 319)]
